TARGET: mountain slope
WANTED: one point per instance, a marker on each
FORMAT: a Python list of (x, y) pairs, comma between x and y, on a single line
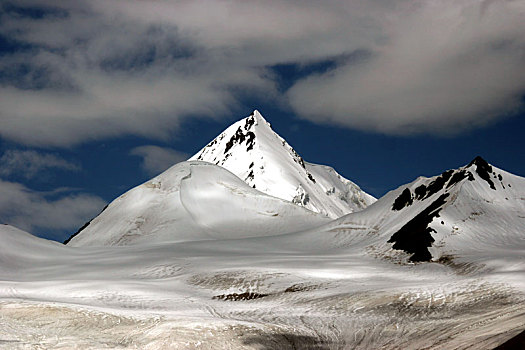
[(475, 210), (251, 150), (21, 249), (193, 201)]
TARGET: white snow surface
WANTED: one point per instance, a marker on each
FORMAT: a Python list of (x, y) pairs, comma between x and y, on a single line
[(194, 201), (255, 153), (224, 282)]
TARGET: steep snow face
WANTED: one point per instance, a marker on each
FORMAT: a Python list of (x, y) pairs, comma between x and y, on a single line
[(473, 210), (486, 217), (193, 201), (255, 153)]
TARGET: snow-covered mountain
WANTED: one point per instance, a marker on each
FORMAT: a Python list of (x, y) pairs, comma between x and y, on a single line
[(476, 209), (274, 192), (199, 258), (193, 201), (210, 262), (251, 150)]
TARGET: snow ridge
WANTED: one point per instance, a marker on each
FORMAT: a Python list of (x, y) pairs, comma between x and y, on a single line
[(193, 201)]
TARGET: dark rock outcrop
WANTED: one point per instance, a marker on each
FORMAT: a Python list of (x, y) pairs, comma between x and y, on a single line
[(415, 236)]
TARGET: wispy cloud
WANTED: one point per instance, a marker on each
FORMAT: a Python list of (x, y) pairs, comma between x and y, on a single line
[(443, 67), (84, 70), (29, 164), (28, 209), (156, 159)]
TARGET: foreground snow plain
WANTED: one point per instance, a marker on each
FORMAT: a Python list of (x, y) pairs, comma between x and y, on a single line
[(182, 296), (197, 258)]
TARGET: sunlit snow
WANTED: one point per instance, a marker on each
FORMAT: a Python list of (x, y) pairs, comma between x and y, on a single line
[(197, 258)]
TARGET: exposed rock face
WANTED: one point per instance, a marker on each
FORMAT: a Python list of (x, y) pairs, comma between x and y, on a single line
[(484, 170), (446, 180), (415, 236), (404, 200)]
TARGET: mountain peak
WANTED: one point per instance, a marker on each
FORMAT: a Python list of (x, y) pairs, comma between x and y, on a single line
[(254, 152), (257, 115), (240, 137), (425, 188), (484, 170), (259, 119), (479, 161)]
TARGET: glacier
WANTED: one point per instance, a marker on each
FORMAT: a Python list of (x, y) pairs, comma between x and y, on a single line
[(197, 258)]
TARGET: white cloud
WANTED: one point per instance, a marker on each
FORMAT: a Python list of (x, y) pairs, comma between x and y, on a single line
[(447, 66), (29, 164), (111, 68), (96, 74), (156, 159), (28, 209)]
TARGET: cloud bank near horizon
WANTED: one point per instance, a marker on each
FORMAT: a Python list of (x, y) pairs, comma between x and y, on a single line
[(87, 70), (29, 209), (61, 209)]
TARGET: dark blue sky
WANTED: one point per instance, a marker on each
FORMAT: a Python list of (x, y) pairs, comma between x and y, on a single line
[(87, 89)]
